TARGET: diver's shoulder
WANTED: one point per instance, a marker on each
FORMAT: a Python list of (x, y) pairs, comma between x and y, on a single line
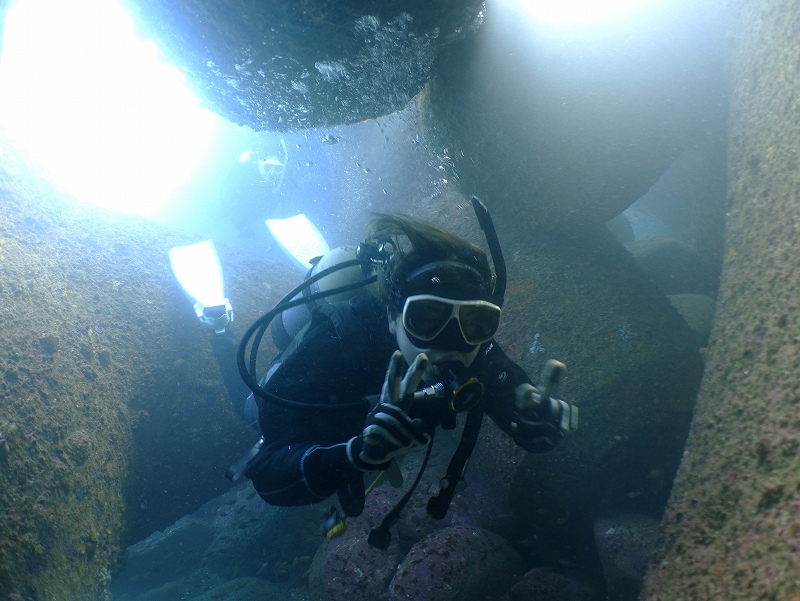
[(367, 304), (492, 358), (353, 316)]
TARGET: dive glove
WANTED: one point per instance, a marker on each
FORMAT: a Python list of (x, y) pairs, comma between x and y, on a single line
[(542, 420), (389, 431)]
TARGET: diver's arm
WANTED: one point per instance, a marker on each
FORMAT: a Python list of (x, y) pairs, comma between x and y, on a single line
[(301, 474), (535, 430), (287, 473), (305, 458)]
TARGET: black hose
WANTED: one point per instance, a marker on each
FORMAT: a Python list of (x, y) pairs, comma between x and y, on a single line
[(258, 328)]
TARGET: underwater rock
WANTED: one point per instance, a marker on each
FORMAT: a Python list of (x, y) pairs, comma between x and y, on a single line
[(49, 344), (621, 228), (71, 484), (456, 564), (274, 543), (202, 586), (476, 506), (66, 444), (78, 446), (698, 311), (163, 557), (235, 535), (286, 66), (183, 415), (688, 202), (731, 525), (625, 544), (340, 565), (544, 585), (349, 569), (674, 266), (572, 134), (633, 369), (243, 589)]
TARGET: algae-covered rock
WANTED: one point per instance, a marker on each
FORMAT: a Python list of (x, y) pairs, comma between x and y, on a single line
[(674, 266), (571, 133), (233, 536), (243, 589), (625, 544), (283, 65), (541, 584), (633, 369), (732, 522), (457, 563), (347, 568), (698, 311), (101, 354), (63, 418)]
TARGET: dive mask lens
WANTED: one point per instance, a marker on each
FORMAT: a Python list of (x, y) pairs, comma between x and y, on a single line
[(479, 322), (425, 317)]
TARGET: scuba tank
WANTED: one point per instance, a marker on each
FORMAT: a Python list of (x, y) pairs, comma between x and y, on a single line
[(290, 322)]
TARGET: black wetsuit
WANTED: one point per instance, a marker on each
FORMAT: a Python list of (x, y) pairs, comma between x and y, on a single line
[(342, 359)]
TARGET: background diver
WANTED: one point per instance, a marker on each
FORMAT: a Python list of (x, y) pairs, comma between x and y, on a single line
[(435, 306)]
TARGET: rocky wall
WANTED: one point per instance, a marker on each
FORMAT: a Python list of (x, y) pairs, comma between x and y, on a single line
[(633, 368), (574, 129), (288, 66), (732, 527), (113, 418)]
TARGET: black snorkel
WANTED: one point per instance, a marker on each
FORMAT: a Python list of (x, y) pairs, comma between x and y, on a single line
[(487, 225)]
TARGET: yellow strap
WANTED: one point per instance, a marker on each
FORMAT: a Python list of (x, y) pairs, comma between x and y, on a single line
[(375, 483)]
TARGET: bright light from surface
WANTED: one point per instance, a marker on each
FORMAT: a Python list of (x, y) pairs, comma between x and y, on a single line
[(94, 105), (580, 13)]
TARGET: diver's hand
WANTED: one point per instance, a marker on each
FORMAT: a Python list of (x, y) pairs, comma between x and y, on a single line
[(529, 405), (389, 431), (535, 404), (541, 422)]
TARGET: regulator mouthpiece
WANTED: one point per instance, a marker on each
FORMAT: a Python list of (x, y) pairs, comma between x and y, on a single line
[(465, 391)]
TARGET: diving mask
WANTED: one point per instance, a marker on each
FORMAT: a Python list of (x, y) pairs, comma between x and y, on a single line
[(425, 317)]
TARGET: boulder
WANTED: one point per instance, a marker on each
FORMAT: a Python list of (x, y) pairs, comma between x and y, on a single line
[(108, 381), (232, 537), (698, 311), (545, 585), (633, 370), (732, 522), (456, 563), (625, 544), (573, 133), (674, 266), (347, 568), (287, 66), (243, 589)]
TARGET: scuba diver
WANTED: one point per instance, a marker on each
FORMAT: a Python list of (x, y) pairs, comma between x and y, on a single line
[(330, 411)]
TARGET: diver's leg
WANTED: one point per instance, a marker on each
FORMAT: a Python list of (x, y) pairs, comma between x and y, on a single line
[(225, 348)]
